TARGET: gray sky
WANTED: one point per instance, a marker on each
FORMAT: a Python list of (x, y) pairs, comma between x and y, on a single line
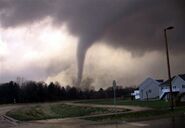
[(118, 39)]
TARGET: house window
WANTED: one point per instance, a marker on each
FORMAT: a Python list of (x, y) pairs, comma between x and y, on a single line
[(174, 87), (141, 93), (149, 90), (183, 86)]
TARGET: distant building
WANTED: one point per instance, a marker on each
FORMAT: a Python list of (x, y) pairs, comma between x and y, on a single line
[(178, 87), (135, 94), (157, 89), (149, 89)]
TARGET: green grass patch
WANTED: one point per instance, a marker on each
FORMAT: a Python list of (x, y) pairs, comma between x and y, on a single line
[(158, 104), (150, 114), (160, 109), (31, 113), (50, 111), (74, 111)]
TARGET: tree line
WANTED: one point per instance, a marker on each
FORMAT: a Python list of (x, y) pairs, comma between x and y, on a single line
[(32, 91)]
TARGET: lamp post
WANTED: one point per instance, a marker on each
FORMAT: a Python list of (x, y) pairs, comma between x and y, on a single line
[(114, 89), (168, 65)]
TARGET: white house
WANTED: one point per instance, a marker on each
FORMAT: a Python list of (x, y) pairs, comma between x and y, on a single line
[(178, 86), (149, 89), (135, 94)]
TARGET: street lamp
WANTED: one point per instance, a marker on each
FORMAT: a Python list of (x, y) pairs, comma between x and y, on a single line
[(114, 89), (168, 65)]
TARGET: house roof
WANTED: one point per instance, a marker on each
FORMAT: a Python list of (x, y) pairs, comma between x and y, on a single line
[(160, 81), (182, 76), (167, 82), (148, 81)]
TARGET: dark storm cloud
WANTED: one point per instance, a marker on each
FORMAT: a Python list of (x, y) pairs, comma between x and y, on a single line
[(142, 30), (135, 25)]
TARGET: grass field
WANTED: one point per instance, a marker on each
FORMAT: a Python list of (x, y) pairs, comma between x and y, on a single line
[(49, 111), (58, 110), (136, 116), (159, 104), (160, 109)]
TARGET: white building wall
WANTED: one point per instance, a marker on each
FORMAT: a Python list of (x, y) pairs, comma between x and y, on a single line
[(179, 83), (150, 87), (154, 86)]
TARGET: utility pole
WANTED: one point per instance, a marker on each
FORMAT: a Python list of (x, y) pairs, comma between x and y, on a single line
[(168, 65)]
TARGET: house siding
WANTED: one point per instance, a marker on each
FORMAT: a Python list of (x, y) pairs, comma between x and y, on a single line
[(150, 87), (178, 83)]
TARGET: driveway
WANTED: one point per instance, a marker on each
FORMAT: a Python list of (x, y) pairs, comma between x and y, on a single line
[(6, 122)]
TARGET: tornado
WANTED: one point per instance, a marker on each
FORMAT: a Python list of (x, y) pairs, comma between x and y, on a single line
[(81, 53), (132, 25), (83, 45)]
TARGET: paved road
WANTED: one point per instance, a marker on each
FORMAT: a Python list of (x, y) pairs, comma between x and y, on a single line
[(5, 122), (174, 122)]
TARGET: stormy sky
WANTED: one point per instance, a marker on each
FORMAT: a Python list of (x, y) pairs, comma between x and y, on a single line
[(67, 40)]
